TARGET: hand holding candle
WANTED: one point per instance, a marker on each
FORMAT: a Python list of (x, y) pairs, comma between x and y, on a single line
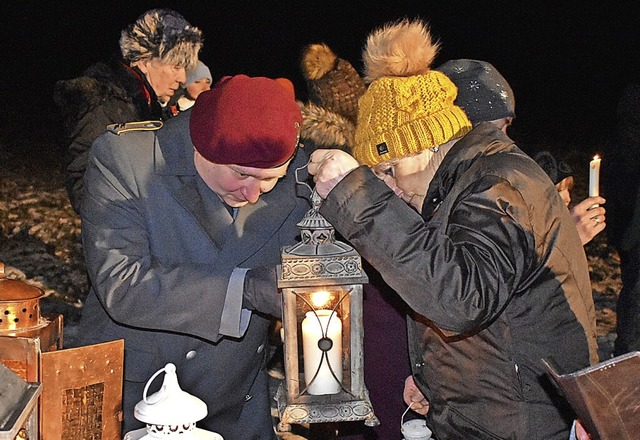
[(594, 176)]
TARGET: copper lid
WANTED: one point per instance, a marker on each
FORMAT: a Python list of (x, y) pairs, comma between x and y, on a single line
[(19, 303), (15, 290)]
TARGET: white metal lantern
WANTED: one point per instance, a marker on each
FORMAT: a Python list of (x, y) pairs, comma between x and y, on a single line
[(321, 281), (170, 413)]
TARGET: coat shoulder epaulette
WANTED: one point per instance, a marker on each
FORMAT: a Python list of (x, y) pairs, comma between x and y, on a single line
[(124, 127)]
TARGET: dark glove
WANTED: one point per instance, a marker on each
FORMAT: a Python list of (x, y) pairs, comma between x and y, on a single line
[(261, 291)]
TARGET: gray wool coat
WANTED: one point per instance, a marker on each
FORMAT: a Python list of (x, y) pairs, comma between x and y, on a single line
[(160, 249)]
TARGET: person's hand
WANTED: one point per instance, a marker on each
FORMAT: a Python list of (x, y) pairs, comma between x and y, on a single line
[(414, 397), (589, 217), (329, 167), (261, 291)]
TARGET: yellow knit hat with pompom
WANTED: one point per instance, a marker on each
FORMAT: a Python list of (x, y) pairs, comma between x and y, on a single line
[(407, 107)]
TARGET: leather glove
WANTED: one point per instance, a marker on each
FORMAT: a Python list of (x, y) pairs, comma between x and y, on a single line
[(261, 291)]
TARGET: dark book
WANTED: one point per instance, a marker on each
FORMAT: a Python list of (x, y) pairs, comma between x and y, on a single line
[(605, 396)]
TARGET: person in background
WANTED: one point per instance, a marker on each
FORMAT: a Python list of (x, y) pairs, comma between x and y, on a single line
[(183, 228), (621, 184), (329, 121), (588, 215), (198, 80), (472, 235), (134, 85), (333, 89), (486, 96), (483, 93), (559, 172)]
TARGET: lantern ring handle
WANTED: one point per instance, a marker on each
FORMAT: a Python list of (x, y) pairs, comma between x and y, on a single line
[(301, 181), (404, 414), (169, 368)]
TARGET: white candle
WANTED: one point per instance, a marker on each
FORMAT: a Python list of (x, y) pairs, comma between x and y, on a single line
[(594, 176), (316, 326)]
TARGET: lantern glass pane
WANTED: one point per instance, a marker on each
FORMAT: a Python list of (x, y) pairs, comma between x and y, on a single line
[(323, 319)]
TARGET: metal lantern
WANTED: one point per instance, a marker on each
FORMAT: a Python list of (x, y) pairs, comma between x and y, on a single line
[(170, 413), (321, 281), (19, 305), (18, 406), (81, 388), (24, 333)]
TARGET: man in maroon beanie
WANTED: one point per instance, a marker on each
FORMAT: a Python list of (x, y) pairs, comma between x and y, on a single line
[(182, 230)]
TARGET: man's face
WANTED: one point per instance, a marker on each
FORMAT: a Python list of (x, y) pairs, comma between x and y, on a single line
[(164, 78), (238, 185)]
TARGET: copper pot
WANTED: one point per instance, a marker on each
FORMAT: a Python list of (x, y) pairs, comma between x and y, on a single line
[(19, 304)]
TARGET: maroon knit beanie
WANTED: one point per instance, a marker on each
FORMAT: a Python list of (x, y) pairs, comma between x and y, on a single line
[(252, 122)]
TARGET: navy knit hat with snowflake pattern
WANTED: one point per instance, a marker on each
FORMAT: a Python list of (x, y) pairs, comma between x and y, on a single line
[(483, 93)]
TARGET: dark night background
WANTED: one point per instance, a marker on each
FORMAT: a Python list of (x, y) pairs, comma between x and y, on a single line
[(566, 61)]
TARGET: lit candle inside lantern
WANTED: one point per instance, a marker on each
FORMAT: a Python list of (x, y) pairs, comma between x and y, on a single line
[(594, 176), (320, 299), (321, 347)]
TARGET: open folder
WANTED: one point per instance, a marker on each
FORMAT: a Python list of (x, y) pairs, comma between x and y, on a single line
[(605, 396)]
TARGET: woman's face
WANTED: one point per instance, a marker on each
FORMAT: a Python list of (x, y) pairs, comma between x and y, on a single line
[(196, 87), (164, 78), (408, 177)]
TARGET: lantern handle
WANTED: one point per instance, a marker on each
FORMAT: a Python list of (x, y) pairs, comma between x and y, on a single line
[(404, 414), (300, 181), (169, 368)]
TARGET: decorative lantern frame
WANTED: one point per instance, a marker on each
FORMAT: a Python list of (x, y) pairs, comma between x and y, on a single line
[(322, 324)]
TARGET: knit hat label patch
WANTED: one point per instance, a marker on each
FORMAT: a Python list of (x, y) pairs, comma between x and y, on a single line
[(382, 148)]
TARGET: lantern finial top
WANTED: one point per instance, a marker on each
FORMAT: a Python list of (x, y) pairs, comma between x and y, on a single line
[(317, 234), (170, 405)]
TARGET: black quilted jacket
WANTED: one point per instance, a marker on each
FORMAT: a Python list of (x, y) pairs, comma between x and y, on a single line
[(497, 279), (106, 93)]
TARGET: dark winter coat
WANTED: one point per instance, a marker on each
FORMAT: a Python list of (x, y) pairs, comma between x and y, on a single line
[(161, 250), (497, 278), (620, 176), (107, 93), (621, 184)]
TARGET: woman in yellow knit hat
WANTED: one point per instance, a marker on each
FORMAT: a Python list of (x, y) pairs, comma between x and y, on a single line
[(473, 236)]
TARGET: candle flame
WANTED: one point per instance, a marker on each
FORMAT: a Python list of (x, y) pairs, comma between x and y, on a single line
[(321, 298), (596, 157)]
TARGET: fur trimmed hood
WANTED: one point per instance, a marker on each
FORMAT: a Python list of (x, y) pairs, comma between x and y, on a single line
[(322, 128)]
